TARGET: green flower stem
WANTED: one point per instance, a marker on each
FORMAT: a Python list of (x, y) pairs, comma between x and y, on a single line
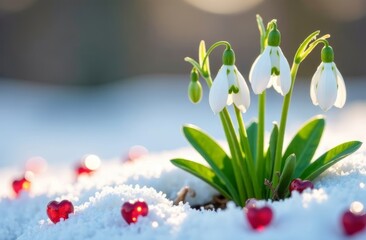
[(209, 51), (282, 128), (243, 191), (261, 111), (250, 169), (235, 154), (260, 141)]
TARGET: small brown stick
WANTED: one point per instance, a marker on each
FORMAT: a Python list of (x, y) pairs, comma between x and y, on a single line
[(182, 195), (274, 191)]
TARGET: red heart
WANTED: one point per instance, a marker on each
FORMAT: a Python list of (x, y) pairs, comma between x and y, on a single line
[(133, 209), (57, 210), (259, 218), (353, 223), (20, 185), (83, 170), (300, 185)]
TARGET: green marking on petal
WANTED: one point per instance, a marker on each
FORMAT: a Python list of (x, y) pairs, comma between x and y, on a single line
[(233, 89), (275, 71)]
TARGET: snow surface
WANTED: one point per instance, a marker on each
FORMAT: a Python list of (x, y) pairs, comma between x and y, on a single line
[(98, 198)]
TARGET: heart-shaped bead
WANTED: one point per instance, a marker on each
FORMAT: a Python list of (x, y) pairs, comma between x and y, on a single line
[(353, 222), (20, 185), (131, 210), (57, 210), (259, 218), (300, 185)]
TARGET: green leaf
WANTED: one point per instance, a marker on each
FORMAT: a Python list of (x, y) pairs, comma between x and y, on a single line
[(202, 172), (271, 152), (215, 156), (201, 56), (329, 158), (305, 143), (286, 176), (252, 133), (304, 45)]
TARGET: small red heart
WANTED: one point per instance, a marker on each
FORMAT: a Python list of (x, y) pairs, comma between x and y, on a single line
[(353, 223), (259, 218), (300, 185), (20, 185), (133, 209), (83, 170), (57, 210)]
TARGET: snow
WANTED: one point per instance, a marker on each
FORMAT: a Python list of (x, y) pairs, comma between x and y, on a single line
[(98, 198)]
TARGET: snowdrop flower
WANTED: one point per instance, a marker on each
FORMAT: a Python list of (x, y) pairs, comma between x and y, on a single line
[(271, 67), (229, 86), (327, 85)]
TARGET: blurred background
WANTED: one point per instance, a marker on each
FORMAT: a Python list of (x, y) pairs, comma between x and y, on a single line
[(93, 76)]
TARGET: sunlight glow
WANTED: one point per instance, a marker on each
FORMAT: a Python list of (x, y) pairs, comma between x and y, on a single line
[(224, 7), (155, 224), (356, 207), (92, 162)]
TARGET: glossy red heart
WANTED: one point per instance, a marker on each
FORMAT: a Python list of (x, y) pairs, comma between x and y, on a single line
[(353, 223), (259, 218), (57, 210), (21, 185), (131, 210), (300, 185)]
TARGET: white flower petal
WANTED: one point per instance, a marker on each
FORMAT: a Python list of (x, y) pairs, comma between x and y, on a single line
[(231, 76), (271, 80), (219, 91), (341, 93), (229, 100), (275, 57), (242, 98), (276, 83), (314, 83), (327, 88), (260, 72), (284, 83)]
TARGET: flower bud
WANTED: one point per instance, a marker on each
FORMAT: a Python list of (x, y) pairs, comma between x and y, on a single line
[(228, 57), (274, 37), (195, 91), (327, 54), (194, 75)]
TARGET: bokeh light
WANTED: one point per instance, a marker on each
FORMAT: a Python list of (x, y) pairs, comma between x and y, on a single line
[(224, 7)]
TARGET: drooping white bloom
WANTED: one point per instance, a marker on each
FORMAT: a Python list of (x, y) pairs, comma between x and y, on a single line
[(271, 68), (327, 87), (229, 87)]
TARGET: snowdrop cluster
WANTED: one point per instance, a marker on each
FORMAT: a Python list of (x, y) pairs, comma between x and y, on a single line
[(252, 170), (271, 69)]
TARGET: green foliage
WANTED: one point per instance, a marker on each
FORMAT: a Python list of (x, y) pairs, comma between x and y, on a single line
[(214, 155), (313, 170), (204, 173), (220, 173), (286, 176), (305, 143), (252, 131)]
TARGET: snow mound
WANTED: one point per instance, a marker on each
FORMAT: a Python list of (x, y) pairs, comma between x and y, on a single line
[(98, 199)]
